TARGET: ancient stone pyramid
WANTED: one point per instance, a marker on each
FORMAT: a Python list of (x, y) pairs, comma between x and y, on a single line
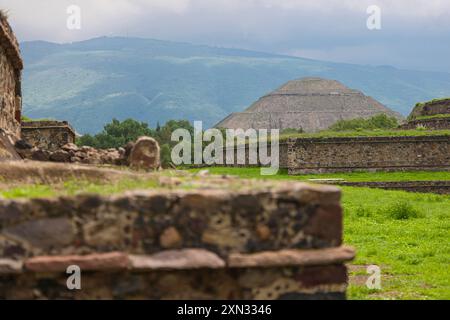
[(310, 103)]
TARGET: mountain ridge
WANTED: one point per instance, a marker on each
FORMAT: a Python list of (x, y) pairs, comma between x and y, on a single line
[(90, 82)]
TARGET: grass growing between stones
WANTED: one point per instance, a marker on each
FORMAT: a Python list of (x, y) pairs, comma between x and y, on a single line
[(436, 116), (405, 234)]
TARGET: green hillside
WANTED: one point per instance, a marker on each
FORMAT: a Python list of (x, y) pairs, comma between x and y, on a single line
[(88, 83)]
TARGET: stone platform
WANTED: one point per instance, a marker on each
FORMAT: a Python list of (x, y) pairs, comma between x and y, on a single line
[(213, 238)]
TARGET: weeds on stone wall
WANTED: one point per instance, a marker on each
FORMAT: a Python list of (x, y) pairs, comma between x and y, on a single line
[(380, 121)]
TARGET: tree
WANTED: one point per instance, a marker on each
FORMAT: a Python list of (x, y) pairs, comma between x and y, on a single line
[(117, 134)]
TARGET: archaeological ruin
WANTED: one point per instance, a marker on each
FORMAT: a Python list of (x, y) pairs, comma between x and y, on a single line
[(348, 154), (208, 238), (183, 238), (186, 235), (434, 115), (11, 66), (48, 135), (309, 104)]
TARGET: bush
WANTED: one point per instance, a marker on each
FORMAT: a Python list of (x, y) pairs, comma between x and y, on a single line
[(402, 211), (116, 134), (291, 131), (381, 121)]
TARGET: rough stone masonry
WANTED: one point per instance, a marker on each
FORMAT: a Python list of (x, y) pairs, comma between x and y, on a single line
[(348, 154), (48, 135), (11, 66), (227, 239)]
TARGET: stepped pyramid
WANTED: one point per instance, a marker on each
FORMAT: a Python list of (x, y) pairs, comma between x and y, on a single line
[(312, 104)]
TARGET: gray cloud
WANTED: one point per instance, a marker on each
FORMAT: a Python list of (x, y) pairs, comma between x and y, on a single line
[(415, 33)]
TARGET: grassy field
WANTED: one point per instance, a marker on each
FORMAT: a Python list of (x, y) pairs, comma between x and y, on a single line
[(351, 177), (406, 234), (73, 187)]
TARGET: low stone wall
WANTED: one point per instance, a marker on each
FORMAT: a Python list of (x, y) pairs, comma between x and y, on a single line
[(48, 135), (283, 148), (433, 124), (438, 187), (283, 157), (277, 241), (322, 155), (183, 275)]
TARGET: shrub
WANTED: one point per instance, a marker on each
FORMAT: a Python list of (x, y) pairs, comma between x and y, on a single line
[(402, 210), (291, 131), (380, 121)]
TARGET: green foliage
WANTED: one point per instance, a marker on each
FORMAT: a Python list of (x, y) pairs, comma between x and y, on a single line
[(166, 159), (360, 176), (369, 133), (25, 119), (436, 116), (401, 210), (291, 131), (118, 133), (380, 121), (28, 119)]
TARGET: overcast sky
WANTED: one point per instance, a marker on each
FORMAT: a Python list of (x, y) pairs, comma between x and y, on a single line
[(415, 34)]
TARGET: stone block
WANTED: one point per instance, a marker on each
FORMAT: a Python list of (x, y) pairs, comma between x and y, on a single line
[(93, 262), (185, 259), (145, 154)]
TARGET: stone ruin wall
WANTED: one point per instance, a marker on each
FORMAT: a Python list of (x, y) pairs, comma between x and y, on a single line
[(432, 108), (284, 242), (430, 124), (283, 147), (48, 135), (435, 186), (10, 81), (322, 155)]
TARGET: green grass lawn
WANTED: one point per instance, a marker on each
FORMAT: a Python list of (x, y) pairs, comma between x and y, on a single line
[(73, 187), (406, 234), (351, 177)]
